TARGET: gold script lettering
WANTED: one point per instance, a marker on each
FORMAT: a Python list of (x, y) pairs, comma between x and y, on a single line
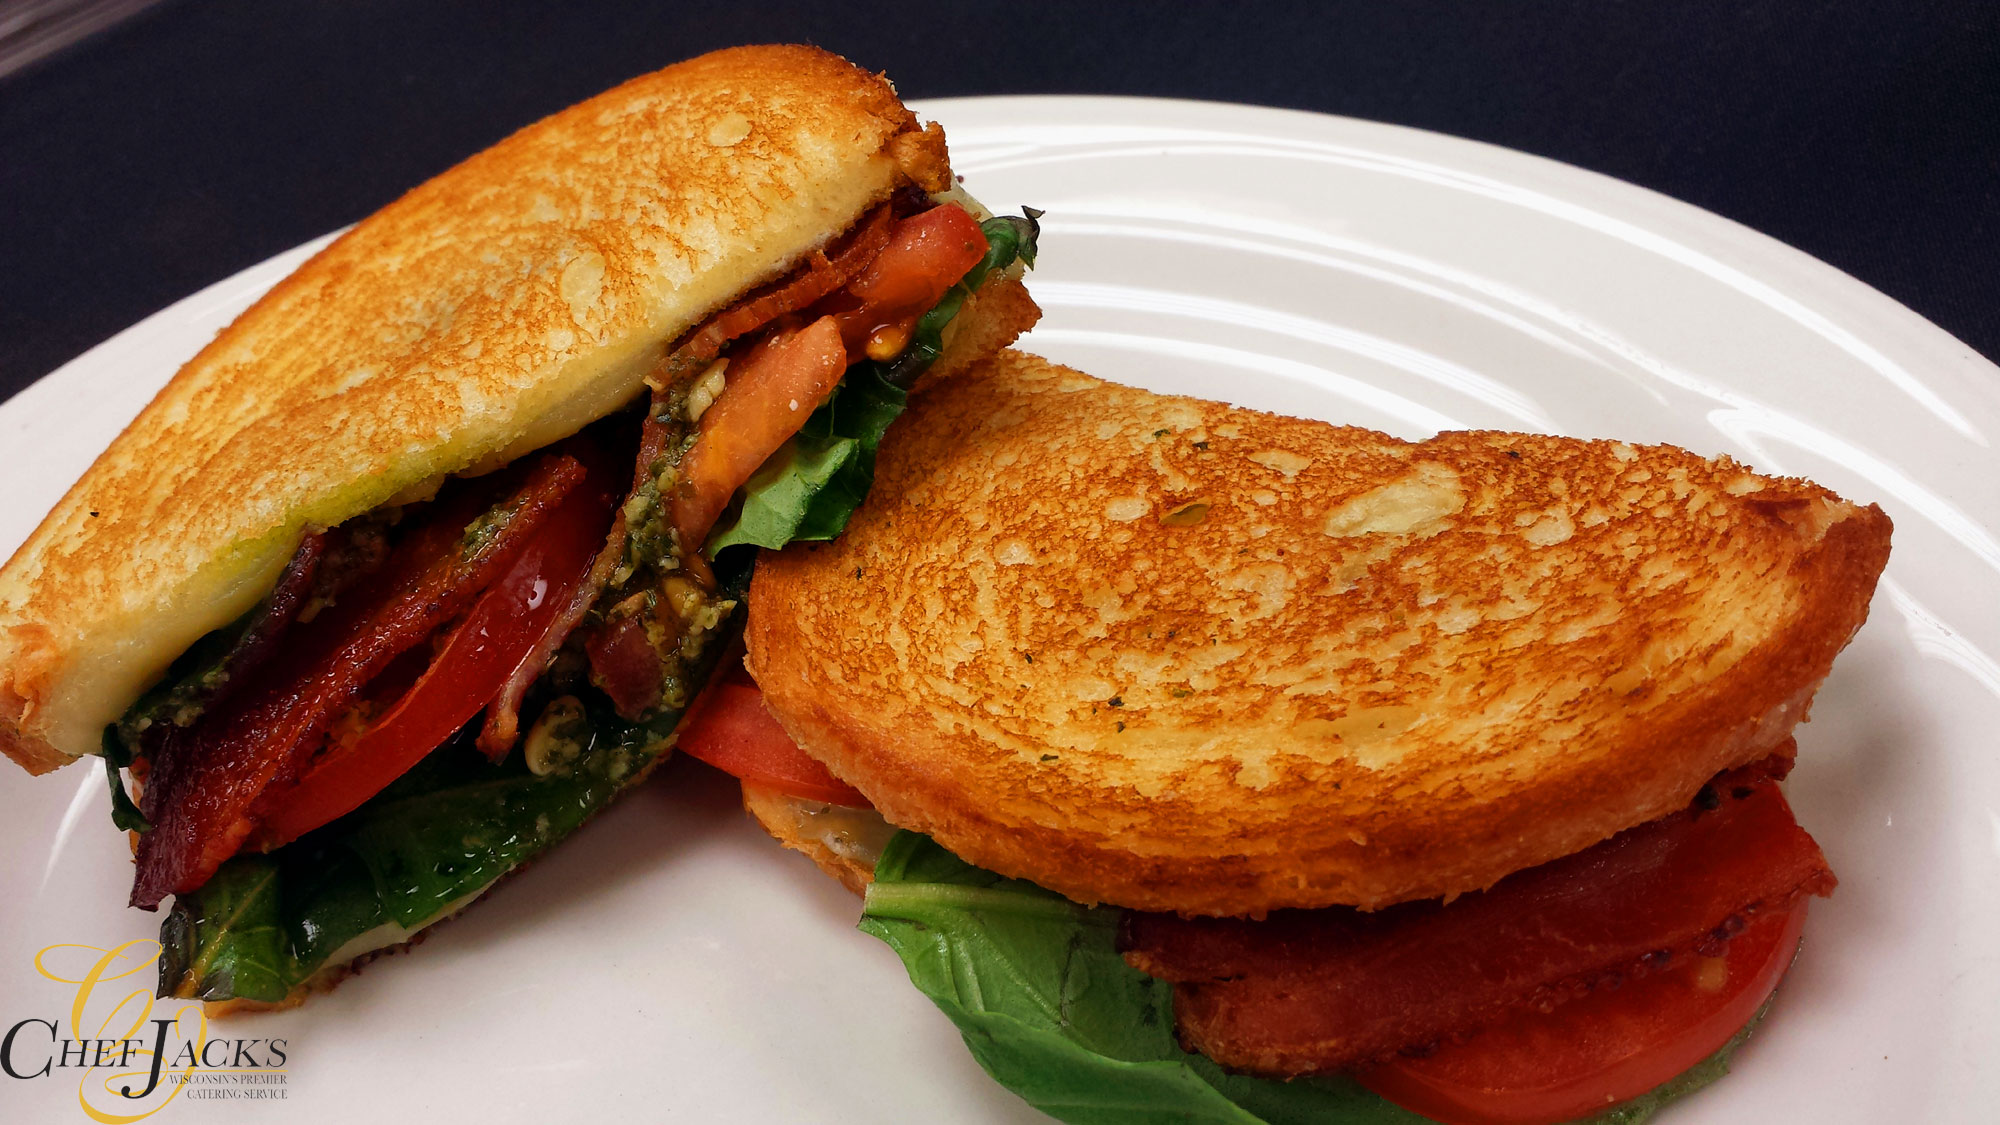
[(141, 954)]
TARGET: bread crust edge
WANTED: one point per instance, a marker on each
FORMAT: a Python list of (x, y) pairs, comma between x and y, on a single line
[(1659, 762), (36, 662)]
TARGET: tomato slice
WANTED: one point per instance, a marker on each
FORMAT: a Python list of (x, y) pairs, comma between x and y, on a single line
[(768, 395), (734, 732), (927, 254), (210, 785), (776, 384), (1608, 1047), (475, 660)]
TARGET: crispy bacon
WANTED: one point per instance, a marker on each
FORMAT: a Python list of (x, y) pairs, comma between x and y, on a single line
[(656, 435), (296, 584), (1323, 990), (502, 723), (820, 275), (503, 716), (206, 780), (627, 667)]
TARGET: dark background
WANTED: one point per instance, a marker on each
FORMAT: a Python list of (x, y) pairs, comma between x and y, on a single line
[(205, 135)]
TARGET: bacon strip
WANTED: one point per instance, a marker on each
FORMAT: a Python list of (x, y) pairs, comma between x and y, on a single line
[(626, 665), (502, 724), (205, 782), (819, 276), (503, 716), (295, 584), (274, 615), (1314, 991)]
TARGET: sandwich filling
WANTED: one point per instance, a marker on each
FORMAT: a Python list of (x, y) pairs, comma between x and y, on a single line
[(1613, 979), (436, 691)]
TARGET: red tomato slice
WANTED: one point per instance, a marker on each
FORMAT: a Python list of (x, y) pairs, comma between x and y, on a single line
[(769, 394), (734, 732), (927, 254), (475, 660), (1606, 1048), (775, 385), (211, 784)]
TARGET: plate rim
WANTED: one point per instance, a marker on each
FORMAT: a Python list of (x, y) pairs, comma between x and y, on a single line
[(1956, 360), (1936, 350)]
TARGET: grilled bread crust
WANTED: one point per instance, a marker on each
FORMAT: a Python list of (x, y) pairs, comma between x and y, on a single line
[(1177, 656), (494, 309)]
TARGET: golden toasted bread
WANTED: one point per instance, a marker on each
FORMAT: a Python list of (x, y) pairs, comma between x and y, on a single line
[(499, 307), (1179, 656)]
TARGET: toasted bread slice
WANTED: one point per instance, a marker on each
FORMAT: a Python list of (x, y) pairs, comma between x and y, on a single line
[(1178, 656), (497, 308)]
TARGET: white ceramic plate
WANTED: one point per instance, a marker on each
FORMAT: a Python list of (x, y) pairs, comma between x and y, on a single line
[(671, 962)]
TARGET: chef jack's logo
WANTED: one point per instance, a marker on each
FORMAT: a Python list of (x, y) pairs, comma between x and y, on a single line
[(130, 1058)]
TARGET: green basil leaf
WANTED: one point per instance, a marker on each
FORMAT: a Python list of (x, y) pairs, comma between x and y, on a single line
[(1010, 238), (124, 813), (861, 413), (1038, 991), (330, 898), (228, 940), (117, 756), (442, 832), (781, 494), (435, 838)]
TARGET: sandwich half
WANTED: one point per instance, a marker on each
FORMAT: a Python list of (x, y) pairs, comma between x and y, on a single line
[(1239, 757), (419, 562)]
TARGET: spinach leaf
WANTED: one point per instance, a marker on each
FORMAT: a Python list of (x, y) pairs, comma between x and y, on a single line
[(1051, 1011), (810, 487)]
